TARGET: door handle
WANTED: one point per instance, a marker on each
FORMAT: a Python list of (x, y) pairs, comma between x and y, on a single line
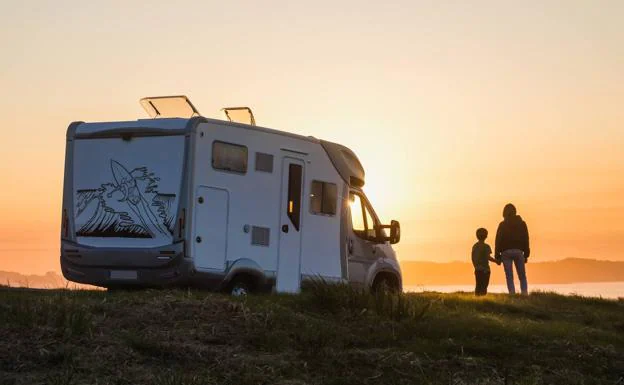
[(285, 228), (350, 246)]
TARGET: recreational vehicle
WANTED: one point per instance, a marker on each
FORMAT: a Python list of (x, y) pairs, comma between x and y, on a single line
[(180, 199)]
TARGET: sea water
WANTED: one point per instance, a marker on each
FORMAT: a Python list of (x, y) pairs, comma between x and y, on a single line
[(588, 289)]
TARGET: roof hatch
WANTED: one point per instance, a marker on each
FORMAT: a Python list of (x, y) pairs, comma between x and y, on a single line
[(239, 115), (177, 106)]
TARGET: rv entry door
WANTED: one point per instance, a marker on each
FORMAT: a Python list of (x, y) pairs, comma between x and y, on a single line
[(289, 258)]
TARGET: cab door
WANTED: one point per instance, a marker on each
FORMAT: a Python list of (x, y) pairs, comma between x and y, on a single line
[(361, 239)]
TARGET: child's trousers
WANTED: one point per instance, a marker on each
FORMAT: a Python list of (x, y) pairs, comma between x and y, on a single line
[(483, 280)]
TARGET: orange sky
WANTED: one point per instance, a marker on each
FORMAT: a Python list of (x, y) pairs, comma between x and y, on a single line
[(454, 108)]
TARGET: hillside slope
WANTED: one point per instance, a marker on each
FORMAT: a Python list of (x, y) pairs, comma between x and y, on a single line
[(324, 336)]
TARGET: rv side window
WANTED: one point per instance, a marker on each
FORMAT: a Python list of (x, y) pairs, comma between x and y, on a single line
[(323, 198), (229, 157), (295, 175)]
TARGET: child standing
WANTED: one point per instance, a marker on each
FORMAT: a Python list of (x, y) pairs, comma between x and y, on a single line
[(481, 257)]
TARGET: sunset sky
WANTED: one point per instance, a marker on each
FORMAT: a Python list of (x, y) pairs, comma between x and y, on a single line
[(454, 107)]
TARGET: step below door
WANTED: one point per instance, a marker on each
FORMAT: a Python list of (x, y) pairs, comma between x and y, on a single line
[(210, 225)]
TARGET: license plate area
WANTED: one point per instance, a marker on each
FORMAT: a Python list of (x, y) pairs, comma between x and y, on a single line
[(123, 275)]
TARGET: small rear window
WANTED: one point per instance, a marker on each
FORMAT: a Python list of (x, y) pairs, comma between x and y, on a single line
[(229, 157)]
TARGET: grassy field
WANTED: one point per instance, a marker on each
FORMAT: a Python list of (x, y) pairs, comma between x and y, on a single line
[(327, 335)]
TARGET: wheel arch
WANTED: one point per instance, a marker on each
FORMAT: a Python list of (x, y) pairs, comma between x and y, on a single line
[(248, 269), (390, 275)]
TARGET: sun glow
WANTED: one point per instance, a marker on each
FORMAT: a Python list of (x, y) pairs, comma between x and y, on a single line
[(447, 129)]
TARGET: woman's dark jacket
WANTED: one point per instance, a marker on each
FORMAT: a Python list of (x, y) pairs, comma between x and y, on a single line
[(512, 234)]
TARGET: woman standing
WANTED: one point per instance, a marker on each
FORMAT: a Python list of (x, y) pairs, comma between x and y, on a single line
[(512, 246)]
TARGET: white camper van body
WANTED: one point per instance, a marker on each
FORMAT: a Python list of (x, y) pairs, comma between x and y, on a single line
[(216, 204)]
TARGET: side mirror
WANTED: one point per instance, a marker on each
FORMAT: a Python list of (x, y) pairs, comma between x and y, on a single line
[(395, 232)]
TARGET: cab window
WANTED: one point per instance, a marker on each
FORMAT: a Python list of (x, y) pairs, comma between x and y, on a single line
[(370, 223), (362, 221), (357, 219)]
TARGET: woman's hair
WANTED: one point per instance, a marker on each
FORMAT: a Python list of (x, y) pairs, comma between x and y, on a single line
[(509, 211), (482, 234)]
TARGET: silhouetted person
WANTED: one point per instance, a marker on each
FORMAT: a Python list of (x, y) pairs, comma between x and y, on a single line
[(481, 257), (512, 247)]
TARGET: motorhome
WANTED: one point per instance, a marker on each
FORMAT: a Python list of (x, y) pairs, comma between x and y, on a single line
[(180, 199)]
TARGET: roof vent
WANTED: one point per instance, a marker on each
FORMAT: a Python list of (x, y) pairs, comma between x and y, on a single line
[(177, 106), (239, 115)]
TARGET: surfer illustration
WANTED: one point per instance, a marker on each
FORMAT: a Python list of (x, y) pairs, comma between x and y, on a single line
[(127, 185), (128, 206)]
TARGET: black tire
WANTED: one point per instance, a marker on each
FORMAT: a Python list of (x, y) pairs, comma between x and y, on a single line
[(385, 284), (240, 286)]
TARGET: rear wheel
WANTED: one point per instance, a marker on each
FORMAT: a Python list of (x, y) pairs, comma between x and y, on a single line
[(240, 286)]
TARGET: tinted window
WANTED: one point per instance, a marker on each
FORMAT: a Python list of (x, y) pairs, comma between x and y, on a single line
[(323, 198), (229, 157), (293, 208)]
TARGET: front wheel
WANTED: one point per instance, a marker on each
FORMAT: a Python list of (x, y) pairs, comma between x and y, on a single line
[(385, 284)]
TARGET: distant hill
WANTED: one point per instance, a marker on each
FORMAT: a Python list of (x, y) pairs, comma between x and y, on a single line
[(569, 270), (49, 280)]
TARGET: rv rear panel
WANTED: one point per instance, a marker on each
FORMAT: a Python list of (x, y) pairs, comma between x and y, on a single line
[(127, 190), (123, 196)]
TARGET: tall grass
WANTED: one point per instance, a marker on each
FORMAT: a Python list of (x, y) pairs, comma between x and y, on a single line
[(340, 297), (179, 378), (330, 334), (64, 312)]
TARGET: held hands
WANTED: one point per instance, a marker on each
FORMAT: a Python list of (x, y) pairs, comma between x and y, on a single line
[(495, 260)]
